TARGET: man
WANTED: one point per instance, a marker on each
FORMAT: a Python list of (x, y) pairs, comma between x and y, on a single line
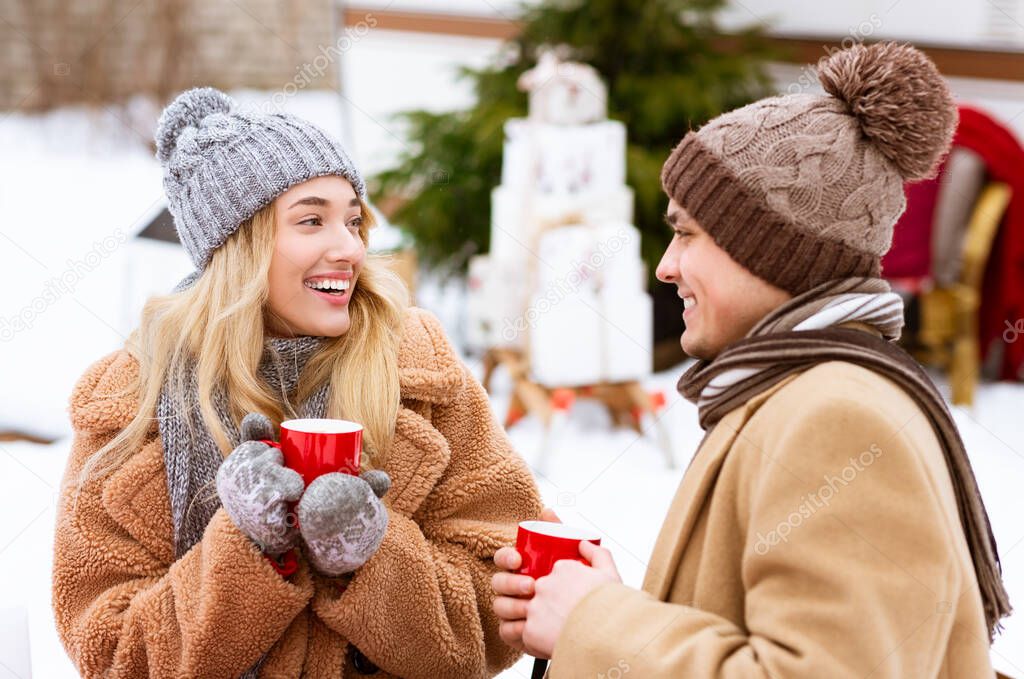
[(829, 524)]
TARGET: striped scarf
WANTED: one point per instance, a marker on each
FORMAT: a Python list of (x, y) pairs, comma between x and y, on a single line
[(802, 333)]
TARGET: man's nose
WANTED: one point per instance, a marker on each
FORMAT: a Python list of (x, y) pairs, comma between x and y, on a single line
[(667, 271)]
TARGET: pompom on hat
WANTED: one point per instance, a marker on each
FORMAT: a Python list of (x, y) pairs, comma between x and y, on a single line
[(806, 188), (222, 165)]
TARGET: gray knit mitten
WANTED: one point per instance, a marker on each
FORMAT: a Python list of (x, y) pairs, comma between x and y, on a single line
[(343, 520), (255, 488)]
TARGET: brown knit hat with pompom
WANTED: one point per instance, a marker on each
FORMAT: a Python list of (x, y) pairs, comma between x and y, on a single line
[(805, 188)]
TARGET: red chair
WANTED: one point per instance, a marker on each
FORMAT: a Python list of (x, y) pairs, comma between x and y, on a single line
[(940, 256)]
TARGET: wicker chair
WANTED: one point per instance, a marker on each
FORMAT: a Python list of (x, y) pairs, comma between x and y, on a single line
[(949, 314)]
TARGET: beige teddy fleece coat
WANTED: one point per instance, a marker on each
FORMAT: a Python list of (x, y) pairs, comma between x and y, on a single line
[(420, 608)]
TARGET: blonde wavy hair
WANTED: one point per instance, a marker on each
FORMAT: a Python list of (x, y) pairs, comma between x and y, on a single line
[(219, 323)]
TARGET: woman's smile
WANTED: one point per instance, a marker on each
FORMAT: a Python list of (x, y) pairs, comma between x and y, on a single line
[(335, 289)]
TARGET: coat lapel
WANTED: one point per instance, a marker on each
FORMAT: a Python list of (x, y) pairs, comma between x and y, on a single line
[(419, 455), (694, 490), (136, 497), (697, 485), (429, 375)]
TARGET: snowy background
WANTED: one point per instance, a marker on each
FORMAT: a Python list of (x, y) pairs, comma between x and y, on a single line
[(77, 186)]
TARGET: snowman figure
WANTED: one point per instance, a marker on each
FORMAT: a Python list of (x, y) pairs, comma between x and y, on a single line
[(564, 92)]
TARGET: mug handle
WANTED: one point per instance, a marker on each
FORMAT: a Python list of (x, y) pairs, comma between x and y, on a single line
[(275, 444)]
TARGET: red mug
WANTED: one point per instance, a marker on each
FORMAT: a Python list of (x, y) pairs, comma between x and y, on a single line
[(542, 543), (314, 447)]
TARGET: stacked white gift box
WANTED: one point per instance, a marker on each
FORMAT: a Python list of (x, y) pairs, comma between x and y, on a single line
[(564, 280)]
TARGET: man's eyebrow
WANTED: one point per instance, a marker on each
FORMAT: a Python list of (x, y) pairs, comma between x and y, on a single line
[(310, 200), (672, 218)]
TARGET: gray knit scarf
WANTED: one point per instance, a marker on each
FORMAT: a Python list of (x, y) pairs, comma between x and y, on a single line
[(190, 454), (802, 333)]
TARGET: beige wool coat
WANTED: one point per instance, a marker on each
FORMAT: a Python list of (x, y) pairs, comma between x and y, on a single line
[(420, 608), (814, 535)]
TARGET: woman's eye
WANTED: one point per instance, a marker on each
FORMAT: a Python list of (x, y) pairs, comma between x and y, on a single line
[(356, 223), (311, 221)]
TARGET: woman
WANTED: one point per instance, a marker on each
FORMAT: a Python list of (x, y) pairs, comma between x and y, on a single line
[(169, 563)]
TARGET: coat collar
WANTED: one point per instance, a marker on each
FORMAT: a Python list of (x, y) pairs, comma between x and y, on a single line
[(104, 398), (428, 368)]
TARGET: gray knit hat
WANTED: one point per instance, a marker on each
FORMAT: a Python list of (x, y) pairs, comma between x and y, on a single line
[(222, 165), (805, 188)]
